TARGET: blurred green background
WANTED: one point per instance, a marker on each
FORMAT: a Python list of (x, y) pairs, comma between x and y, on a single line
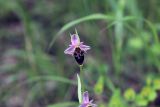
[(122, 69)]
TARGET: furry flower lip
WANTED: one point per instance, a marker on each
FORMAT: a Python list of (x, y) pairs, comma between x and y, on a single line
[(86, 102), (77, 48)]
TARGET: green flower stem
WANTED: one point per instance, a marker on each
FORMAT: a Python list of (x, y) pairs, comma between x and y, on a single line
[(81, 76)]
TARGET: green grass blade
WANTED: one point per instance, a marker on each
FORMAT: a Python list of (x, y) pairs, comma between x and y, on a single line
[(153, 29), (83, 19), (37, 79)]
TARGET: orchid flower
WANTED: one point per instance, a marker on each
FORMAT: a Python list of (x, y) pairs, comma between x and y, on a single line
[(86, 102), (77, 48)]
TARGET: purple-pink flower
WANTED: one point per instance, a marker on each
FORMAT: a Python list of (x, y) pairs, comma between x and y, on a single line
[(86, 102), (77, 48)]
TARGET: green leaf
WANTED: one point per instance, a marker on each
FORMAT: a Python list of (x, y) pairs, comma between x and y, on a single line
[(155, 49), (79, 89), (149, 81), (148, 93), (156, 84), (152, 95), (116, 100), (98, 88), (135, 43), (145, 92), (129, 94), (140, 101)]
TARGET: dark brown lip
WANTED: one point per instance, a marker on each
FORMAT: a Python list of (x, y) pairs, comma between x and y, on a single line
[(79, 55)]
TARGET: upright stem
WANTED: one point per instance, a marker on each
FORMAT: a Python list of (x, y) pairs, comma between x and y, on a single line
[(81, 76)]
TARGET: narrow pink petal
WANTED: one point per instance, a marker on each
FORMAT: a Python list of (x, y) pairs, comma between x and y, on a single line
[(84, 47), (83, 105), (85, 97), (81, 42), (70, 50), (93, 105), (75, 40), (91, 101)]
